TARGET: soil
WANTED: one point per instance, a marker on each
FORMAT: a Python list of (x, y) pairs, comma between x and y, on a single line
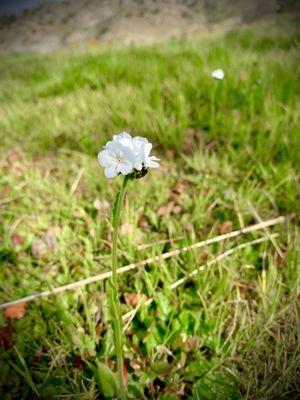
[(49, 26)]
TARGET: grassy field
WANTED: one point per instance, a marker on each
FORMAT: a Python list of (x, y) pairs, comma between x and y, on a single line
[(229, 152)]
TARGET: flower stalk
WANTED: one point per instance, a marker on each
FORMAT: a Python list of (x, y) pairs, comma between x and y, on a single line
[(114, 298), (130, 157)]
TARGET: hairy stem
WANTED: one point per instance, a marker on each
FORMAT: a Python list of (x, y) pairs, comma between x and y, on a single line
[(115, 301)]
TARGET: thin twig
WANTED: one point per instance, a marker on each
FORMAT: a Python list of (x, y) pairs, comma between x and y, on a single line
[(16, 223), (130, 315), (10, 199), (105, 275), (76, 181), (164, 241)]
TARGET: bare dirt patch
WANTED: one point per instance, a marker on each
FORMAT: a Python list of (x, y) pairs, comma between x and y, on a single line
[(50, 26)]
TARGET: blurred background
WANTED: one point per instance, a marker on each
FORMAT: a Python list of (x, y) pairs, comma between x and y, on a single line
[(46, 25), (72, 74)]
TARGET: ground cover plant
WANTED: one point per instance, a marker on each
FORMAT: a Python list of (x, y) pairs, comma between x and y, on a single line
[(229, 153)]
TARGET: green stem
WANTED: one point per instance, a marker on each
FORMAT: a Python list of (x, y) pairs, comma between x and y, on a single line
[(213, 106), (115, 303)]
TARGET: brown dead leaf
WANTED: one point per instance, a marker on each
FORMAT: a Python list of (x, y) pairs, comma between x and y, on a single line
[(37, 356), (50, 270), (225, 227), (17, 311), (81, 188), (180, 392), (7, 337), (192, 138), (79, 213), (281, 261), (78, 363), (78, 268), (170, 153), (203, 257), (102, 206), (39, 248), (192, 344), (134, 299), (164, 169), (134, 365), (110, 364), (180, 187), (5, 189), (188, 226), (126, 229), (165, 209), (50, 238), (170, 207), (100, 329), (59, 100), (175, 202), (14, 155), (17, 239), (143, 223), (177, 209)]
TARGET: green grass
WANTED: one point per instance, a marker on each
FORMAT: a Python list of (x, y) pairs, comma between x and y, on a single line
[(229, 333)]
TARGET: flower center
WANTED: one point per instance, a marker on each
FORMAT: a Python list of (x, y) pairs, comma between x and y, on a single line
[(119, 160)]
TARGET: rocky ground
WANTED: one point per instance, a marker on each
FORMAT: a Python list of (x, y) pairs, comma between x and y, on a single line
[(53, 25)]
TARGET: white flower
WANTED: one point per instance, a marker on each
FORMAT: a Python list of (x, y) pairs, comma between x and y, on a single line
[(218, 74), (125, 154), (116, 159)]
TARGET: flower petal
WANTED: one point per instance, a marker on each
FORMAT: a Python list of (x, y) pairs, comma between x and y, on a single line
[(128, 154), (140, 139), (123, 135), (147, 149), (113, 147), (110, 172), (105, 158), (107, 145), (150, 162), (138, 165), (125, 168), (124, 138)]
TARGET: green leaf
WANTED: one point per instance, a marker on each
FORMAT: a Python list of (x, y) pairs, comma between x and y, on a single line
[(106, 380), (161, 367), (166, 396)]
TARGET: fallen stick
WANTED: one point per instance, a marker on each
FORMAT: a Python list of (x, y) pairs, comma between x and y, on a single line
[(105, 275), (164, 241), (258, 218), (131, 314)]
